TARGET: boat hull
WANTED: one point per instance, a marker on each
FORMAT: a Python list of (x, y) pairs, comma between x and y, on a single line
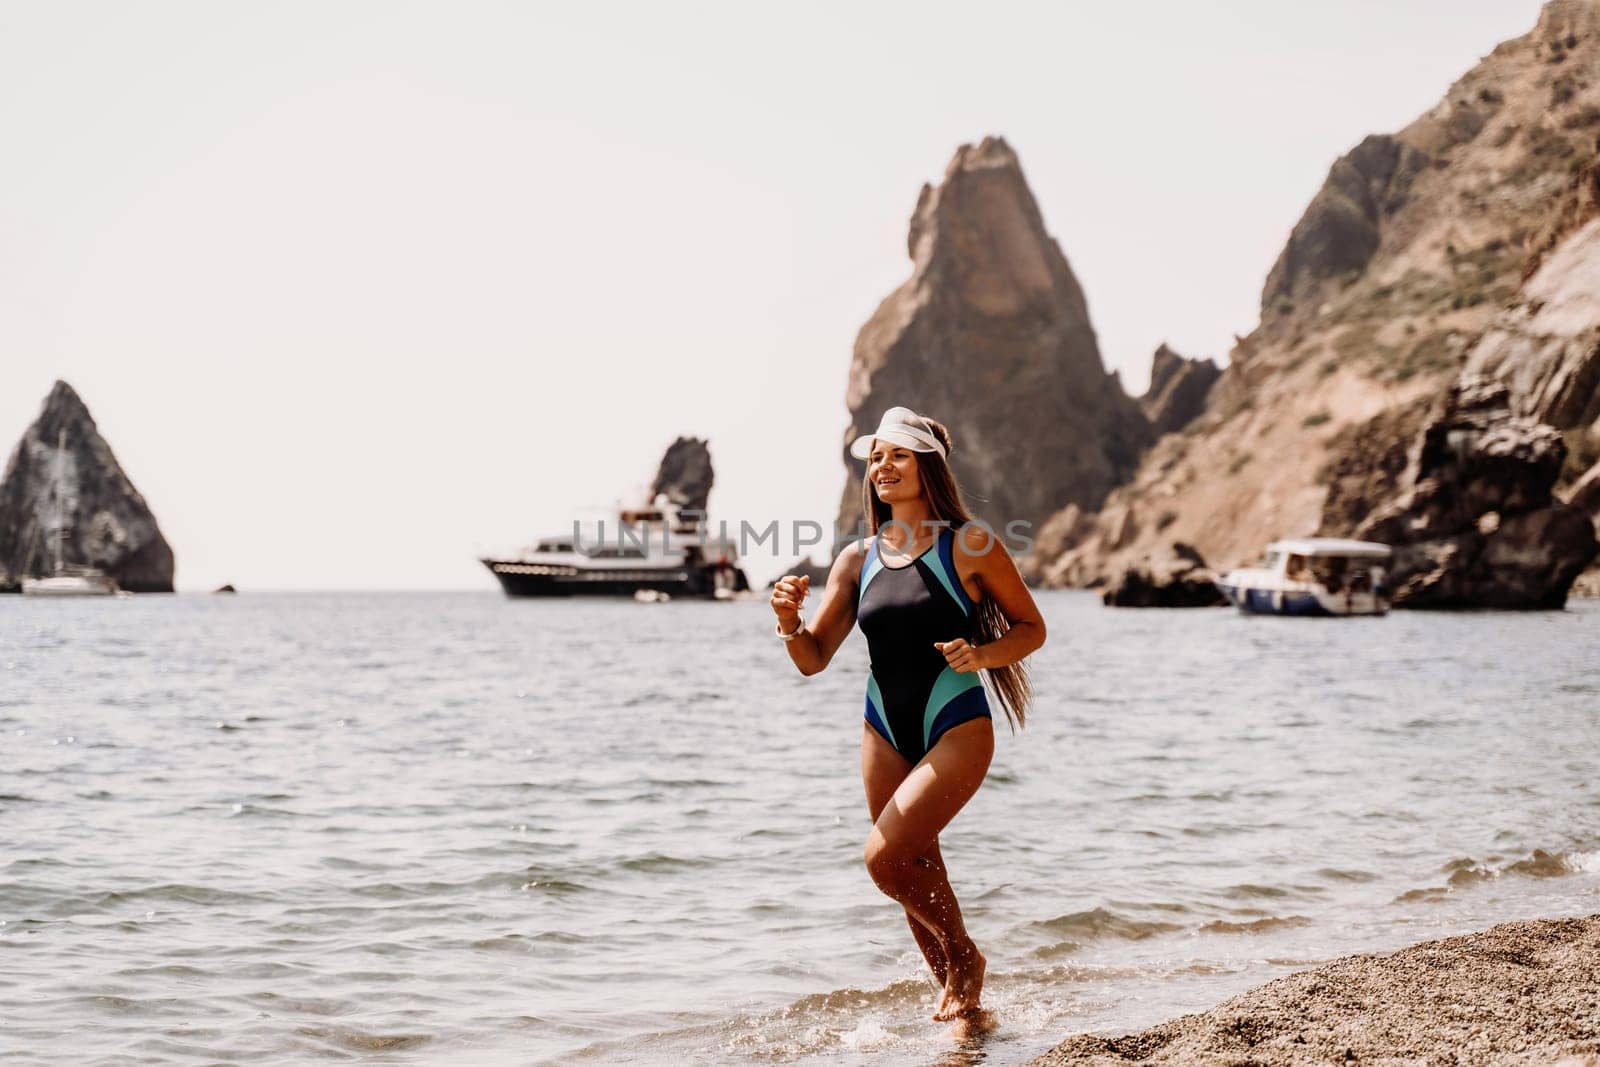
[(1255, 600), (519, 579), (69, 587)]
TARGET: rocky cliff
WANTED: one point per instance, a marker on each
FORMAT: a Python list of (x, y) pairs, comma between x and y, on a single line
[(991, 336), (80, 489), (1462, 239), (685, 474)]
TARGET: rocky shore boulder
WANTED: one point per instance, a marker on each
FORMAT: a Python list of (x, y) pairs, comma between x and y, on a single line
[(62, 475), (685, 474), (1178, 390), (1368, 464), (991, 336), (1180, 579), (1479, 525)]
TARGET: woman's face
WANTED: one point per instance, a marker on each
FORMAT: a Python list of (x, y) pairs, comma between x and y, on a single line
[(892, 470)]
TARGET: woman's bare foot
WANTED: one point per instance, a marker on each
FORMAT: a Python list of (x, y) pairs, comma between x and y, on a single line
[(963, 990), (973, 1025)]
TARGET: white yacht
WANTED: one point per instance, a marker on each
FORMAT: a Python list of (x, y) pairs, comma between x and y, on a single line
[(651, 550), (1313, 576)]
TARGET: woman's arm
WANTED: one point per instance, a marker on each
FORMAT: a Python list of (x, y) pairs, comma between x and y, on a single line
[(814, 648), (981, 555)]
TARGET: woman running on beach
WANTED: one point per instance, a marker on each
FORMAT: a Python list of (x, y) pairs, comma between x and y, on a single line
[(939, 599)]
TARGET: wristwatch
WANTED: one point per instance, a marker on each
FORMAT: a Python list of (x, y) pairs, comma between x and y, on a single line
[(798, 630)]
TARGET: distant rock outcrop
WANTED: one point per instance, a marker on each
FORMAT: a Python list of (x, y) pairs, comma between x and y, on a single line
[(81, 490), (991, 336), (1479, 525), (1179, 579), (685, 474), (1178, 390)]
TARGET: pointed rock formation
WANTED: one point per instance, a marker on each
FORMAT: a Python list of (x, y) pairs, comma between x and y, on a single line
[(1178, 390), (1342, 228), (991, 336), (1479, 525), (82, 491), (685, 474)]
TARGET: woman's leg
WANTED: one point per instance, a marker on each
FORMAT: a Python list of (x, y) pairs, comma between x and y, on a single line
[(922, 805), (882, 771)]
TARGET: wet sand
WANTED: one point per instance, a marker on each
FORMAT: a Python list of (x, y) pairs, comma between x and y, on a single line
[(1524, 993)]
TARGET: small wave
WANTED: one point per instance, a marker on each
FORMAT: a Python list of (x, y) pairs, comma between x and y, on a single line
[(1466, 871), (262, 811), (1099, 923), (504, 943), (172, 892), (1537, 864), (554, 887), (1429, 895), (900, 993), (1154, 905), (1335, 874), (1257, 926), (1251, 891), (658, 861), (359, 1041), (1542, 864), (686, 783)]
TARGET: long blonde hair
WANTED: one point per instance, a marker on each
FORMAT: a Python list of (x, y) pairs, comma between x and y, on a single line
[(1010, 683)]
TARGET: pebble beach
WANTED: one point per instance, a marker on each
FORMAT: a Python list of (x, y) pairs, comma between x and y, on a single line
[(1519, 993)]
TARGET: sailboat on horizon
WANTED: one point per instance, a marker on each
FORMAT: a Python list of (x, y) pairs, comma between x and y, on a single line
[(64, 579)]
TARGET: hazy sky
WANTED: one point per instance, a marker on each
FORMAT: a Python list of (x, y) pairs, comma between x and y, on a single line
[(356, 289)]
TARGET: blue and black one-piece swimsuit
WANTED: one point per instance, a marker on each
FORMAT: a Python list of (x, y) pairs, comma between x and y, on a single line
[(913, 695)]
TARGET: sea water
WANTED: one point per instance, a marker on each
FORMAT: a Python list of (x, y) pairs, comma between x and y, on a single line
[(455, 828)]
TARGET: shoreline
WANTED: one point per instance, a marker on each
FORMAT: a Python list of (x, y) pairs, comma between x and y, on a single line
[(1525, 993)]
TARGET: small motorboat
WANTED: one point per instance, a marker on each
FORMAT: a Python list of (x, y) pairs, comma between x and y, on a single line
[(1313, 576)]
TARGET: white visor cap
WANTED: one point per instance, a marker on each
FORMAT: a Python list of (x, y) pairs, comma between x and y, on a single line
[(903, 427)]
